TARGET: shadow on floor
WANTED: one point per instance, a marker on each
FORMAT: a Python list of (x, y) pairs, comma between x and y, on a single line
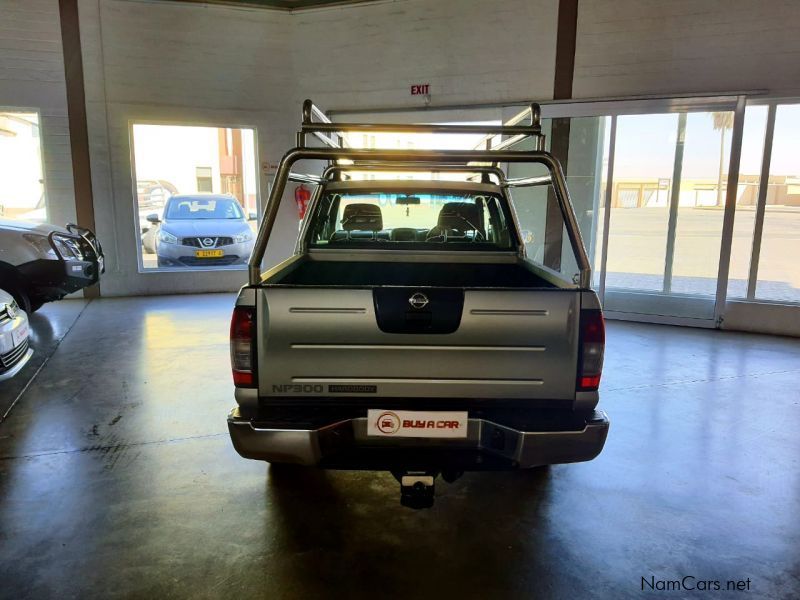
[(346, 531)]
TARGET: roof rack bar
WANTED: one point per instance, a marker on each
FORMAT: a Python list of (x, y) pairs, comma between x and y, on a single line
[(316, 121), (508, 142), (526, 130), (310, 111), (534, 111), (528, 181), (390, 167), (305, 178)]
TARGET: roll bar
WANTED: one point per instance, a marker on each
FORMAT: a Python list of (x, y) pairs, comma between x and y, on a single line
[(458, 160), (324, 126)]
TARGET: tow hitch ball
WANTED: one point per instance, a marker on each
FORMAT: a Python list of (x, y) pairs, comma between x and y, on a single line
[(417, 487)]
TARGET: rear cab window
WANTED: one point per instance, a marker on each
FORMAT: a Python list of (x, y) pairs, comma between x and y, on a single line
[(402, 217)]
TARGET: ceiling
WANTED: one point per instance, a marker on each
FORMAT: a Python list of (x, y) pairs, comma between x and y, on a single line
[(289, 5)]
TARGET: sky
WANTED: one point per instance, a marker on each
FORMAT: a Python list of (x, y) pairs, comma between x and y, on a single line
[(646, 144)]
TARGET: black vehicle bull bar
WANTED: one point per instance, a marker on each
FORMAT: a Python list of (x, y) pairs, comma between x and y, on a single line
[(91, 250)]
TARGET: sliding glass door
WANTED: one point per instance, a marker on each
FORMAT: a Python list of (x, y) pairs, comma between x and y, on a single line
[(689, 207), (658, 202), (643, 172)]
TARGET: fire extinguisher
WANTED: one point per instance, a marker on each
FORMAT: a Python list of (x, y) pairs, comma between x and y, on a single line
[(302, 195)]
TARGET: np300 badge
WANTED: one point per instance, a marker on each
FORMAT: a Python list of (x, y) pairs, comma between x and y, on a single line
[(297, 388)]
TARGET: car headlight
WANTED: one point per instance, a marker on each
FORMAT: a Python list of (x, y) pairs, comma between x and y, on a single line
[(41, 243), (242, 237), (68, 248), (167, 237)]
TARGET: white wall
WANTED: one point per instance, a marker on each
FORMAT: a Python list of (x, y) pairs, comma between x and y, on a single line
[(178, 64), (32, 76), (469, 51), (640, 47)]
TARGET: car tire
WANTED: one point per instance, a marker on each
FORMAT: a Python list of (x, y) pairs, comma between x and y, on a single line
[(22, 298)]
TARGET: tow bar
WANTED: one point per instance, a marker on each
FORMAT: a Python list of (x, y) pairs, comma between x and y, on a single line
[(417, 487)]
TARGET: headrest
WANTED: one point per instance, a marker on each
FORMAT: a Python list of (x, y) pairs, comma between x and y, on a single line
[(362, 217), (462, 216)]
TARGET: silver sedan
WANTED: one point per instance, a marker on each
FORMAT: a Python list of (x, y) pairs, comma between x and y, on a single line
[(14, 332)]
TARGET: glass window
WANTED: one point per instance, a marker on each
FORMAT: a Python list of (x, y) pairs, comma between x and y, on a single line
[(196, 195), (392, 218), (778, 266), (21, 179), (202, 207), (701, 202), (542, 224), (205, 182), (643, 165), (755, 124), (586, 171)]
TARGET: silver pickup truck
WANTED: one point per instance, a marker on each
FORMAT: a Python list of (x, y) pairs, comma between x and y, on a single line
[(427, 323)]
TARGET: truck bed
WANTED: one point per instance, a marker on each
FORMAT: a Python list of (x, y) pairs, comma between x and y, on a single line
[(368, 274)]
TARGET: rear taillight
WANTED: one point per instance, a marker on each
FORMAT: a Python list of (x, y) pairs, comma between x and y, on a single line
[(243, 331), (593, 341)]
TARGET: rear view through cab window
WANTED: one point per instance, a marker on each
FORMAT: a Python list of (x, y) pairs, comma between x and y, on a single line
[(430, 220)]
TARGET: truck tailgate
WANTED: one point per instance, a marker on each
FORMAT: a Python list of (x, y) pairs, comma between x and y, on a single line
[(335, 342)]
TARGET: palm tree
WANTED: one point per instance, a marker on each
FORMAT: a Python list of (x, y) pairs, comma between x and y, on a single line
[(722, 122)]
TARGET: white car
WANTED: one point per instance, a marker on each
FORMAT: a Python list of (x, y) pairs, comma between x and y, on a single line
[(14, 332), (40, 262)]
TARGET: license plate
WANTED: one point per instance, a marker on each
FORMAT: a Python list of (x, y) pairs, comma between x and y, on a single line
[(417, 423), (209, 253), (19, 335)]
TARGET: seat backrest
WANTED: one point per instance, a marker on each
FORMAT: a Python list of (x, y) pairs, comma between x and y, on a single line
[(362, 217), (461, 216)]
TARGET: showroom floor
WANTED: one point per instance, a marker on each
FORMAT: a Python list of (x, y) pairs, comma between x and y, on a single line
[(117, 478)]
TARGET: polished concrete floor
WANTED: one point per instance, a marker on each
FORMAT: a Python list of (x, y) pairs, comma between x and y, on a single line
[(117, 479)]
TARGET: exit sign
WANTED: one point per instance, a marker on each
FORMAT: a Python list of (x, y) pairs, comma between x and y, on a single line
[(421, 89)]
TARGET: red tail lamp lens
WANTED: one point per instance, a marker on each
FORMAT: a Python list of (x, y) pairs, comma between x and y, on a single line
[(593, 341), (243, 330)]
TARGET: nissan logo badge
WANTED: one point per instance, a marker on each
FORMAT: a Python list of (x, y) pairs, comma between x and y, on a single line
[(418, 300), (208, 242)]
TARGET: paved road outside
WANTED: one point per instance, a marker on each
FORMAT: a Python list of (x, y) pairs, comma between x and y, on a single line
[(637, 247)]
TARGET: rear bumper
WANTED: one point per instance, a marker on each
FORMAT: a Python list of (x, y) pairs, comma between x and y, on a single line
[(488, 446)]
